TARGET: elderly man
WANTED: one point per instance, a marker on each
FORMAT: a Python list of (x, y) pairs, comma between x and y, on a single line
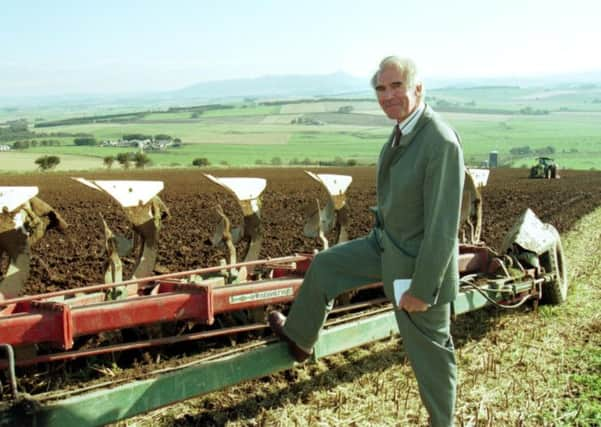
[(419, 182)]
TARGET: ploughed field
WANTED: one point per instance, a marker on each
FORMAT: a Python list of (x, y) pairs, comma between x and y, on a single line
[(76, 258)]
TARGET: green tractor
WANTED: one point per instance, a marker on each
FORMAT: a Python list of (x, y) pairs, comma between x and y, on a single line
[(545, 168)]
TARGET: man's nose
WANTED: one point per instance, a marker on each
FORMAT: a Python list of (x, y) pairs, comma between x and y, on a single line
[(387, 93)]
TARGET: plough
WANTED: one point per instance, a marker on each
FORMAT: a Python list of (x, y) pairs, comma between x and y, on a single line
[(228, 300), (24, 219), (146, 211)]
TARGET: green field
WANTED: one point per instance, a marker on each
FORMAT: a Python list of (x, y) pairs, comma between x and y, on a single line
[(25, 162), (567, 120)]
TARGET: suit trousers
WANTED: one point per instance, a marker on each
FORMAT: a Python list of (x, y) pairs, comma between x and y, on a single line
[(426, 335)]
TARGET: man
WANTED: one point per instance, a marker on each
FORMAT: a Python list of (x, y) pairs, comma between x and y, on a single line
[(419, 182)]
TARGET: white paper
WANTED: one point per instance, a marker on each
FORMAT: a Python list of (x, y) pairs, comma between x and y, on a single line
[(400, 286)]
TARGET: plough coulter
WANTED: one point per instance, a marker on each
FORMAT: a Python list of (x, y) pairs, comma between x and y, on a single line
[(216, 313)]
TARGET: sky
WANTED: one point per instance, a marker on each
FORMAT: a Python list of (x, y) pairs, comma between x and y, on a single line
[(62, 47)]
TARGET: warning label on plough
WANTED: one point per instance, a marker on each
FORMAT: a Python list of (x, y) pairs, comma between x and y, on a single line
[(257, 296)]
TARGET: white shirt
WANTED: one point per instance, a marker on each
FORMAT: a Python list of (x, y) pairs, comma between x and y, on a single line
[(407, 125)]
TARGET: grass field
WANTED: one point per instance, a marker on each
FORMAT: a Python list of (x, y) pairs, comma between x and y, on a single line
[(25, 162), (248, 134)]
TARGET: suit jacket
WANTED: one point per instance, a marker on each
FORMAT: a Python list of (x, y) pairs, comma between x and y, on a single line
[(419, 187)]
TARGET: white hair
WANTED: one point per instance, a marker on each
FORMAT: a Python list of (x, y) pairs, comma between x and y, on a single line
[(404, 65)]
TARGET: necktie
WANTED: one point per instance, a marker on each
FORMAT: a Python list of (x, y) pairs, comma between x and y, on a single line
[(396, 139)]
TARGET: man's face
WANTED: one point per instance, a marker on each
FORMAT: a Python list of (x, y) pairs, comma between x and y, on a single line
[(396, 99)]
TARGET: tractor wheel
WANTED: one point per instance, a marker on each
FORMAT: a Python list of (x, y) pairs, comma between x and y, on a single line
[(556, 291)]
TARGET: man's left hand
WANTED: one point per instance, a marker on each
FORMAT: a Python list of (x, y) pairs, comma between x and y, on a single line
[(411, 304)]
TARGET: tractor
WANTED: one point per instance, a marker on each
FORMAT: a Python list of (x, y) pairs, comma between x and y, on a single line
[(545, 168)]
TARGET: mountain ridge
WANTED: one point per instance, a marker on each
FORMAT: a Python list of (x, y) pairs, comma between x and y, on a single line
[(293, 86)]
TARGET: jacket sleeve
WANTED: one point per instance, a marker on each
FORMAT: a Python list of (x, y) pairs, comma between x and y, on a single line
[(443, 187)]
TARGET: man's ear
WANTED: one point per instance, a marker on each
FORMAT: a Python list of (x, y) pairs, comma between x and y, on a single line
[(418, 90)]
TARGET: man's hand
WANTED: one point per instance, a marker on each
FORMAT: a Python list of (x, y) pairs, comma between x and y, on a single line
[(411, 304)]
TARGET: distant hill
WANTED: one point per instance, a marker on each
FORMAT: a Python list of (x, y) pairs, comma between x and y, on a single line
[(575, 80), (283, 87), (343, 84), (278, 86)]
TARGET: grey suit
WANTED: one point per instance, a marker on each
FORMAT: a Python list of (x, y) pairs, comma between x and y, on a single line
[(419, 186)]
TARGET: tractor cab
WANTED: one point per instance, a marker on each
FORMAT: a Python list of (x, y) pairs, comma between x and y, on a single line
[(544, 168)]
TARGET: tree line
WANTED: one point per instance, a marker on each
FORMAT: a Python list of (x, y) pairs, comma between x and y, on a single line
[(126, 160), (277, 161)]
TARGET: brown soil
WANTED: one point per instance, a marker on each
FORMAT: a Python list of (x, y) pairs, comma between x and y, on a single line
[(76, 258)]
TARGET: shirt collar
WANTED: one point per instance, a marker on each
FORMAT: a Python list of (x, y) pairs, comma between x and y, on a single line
[(407, 125)]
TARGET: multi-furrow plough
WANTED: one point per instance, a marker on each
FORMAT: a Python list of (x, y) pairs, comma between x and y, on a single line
[(222, 307)]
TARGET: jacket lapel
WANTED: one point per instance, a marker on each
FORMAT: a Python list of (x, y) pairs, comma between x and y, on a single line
[(423, 120), (389, 155)]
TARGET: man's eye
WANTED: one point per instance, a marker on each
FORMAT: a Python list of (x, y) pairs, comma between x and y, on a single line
[(396, 85)]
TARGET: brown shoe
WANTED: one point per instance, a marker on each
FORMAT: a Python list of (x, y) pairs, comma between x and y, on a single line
[(276, 322)]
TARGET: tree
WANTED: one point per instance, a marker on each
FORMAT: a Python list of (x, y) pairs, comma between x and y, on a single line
[(200, 162), (140, 136), (141, 159), (108, 161), (47, 162), (124, 160), (443, 103), (20, 145), (19, 125), (521, 151), (346, 109), (84, 141)]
